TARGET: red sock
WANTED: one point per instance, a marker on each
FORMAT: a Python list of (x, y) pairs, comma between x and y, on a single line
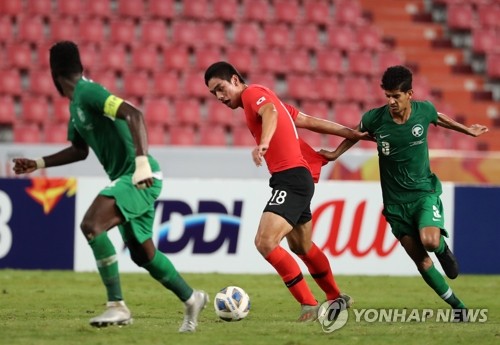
[(319, 267), (290, 272)]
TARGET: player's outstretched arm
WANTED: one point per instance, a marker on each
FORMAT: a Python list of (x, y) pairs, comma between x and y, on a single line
[(343, 147), (447, 122), (78, 151), (143, 176), (318, 125)]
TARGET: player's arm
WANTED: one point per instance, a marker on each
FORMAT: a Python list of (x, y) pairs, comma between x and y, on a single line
[(447, 122), (78, 151), (343, 147), (318, 125), (269, 116)]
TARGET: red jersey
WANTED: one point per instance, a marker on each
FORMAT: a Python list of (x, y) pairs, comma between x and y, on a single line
[(285, 150)]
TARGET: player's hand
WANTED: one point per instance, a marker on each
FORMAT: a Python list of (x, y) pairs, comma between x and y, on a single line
[(476, 130), (24, 165), (143, 176), (258, 154), (357, 135), (330, 155)]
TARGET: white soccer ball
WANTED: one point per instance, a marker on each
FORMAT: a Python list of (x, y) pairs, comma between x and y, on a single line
[(232, 303)]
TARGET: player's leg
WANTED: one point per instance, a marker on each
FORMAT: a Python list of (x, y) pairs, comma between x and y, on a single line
[(415, 249), (300, 242), (100, 217)]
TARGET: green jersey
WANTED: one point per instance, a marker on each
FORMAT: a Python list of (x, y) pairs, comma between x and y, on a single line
[(403, 152), (93, 111)]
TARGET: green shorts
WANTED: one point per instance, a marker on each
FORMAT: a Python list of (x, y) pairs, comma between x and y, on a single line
[(136, 206), (410, 218)]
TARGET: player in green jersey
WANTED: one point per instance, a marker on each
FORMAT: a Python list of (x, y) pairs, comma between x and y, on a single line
[(116, 132), (410, 191)]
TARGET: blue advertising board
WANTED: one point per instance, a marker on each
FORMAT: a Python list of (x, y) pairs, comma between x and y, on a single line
[(477, 229), (37, 223)]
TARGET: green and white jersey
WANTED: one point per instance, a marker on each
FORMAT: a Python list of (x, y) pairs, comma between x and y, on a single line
[(93, 115), (403, 152)]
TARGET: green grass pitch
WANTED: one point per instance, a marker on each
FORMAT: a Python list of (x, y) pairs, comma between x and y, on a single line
[(53, 307)]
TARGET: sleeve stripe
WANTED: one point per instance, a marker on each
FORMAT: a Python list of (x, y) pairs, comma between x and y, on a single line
[(111, 106)]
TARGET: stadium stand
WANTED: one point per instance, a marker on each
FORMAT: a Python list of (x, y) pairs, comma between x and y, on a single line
[(329, 52)]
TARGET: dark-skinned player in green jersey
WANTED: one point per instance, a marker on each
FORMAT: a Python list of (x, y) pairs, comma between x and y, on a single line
[(410, 191), (115, 130)]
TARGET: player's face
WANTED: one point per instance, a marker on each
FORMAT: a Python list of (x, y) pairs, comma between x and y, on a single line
[(228, 92), (399, 101)]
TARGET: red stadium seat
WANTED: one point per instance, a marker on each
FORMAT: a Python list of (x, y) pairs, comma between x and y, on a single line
[(156, 136), (100, 8), (135, 84), (256, 10), (271, 61), (39, 8), (421, 88), (357, 89), (157, 112), (27, 133), (328, 88), (7, 111), (6, 29), (317, 11), (213, 136), (369, 38), (114, 58), (182, 136), (187, 112), (388, 58), (276, 35), (330, 61), (484, 41), (91, 30), (185, 33), (10, 82), (225, 10), (242, 137), (70, 8), (211, 34), (194, 85), (241, 57), (287, 11), (107, 79), (163, 9), (493, 66), (362, 63), (131, 8), (306, 36), (298, 61), (19, 55), (314, 139), (154, 32), (196, 9), (90, 56), (247, 34), (122, 31), (61, 29), (266, 79), (219, 114), (316, 108), (34, 110), (176, 58), (31, 30), (41, 83), (460, 17), (488, 15), (342, 38), (11, 7), (301, 87), (166, 84), (205, 56), (145, 58), (60, 108), (348, 12), (55, 133), (347, 114)]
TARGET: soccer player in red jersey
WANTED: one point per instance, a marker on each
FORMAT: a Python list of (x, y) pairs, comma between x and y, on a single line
[(292, 164)]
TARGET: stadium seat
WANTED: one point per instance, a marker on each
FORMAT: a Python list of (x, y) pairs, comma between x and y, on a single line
[(247, 34), (485, 41), (211, 33), (493, 66), (70, 8), (11, 7), (145, 58), (154, 32), (7, 111), (157, 112), (131, 9), (10, 82), (242, 136), (182, 136), (276, 35), (187, 112), (488, 15), (241, 57), (271, 61), (301, 87), (266, 79), (421, 88), (39, 8), (63, 28), (31, 30), (387, 58), (219, 114), (348, 12), (298, 61), (317, 12), (342, 38), (156, 135), (357, 89), (107, 79), (316, 108), (166, 84), (185, 33), (225, 10), (91, 30), (314, 139), (328, 88), (6, 29), (369, 38), (34, 110), (256, 10), (114, 58), (60, 108), (55, 133), (194, 85), (306, 36), (205, 56), (41, 83), (176, 58), (197, 10), (460, 17), (122, 31), (19, 55), (135, 84), (90, 56), (362, 63), (163, 9), (287, 11), (214, 135), (100, 8), (27, 133), (330, 61), (347, 114)]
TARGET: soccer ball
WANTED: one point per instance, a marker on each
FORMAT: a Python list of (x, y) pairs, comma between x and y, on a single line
[(232, 303)]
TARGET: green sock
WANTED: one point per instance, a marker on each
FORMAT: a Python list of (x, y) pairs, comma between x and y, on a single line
[(107, 264), (437, 282), (441, 247), (162, 269)]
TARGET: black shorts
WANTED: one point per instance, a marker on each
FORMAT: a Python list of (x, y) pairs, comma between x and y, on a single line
[(291, 197)]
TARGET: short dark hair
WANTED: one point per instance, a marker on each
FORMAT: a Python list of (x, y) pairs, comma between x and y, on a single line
[(65, 59), (223, 70), (397, 78)]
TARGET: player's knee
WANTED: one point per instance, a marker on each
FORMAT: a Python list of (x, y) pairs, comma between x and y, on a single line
[(265, 247), (89, 229), (430, 244), (424, 264)]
